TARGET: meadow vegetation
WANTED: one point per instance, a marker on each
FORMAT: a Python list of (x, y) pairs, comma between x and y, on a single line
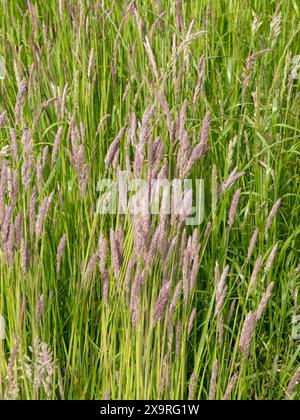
[(122, 306)]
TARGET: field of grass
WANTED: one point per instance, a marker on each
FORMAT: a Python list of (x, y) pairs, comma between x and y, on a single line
[(123, 306)]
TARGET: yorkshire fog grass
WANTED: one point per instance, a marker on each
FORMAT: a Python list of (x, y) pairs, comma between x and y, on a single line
[(141, 306)]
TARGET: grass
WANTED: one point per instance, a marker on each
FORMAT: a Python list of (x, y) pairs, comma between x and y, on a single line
[(91, 59)]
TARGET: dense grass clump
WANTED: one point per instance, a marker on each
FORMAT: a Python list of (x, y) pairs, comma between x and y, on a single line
[(146, 306)]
